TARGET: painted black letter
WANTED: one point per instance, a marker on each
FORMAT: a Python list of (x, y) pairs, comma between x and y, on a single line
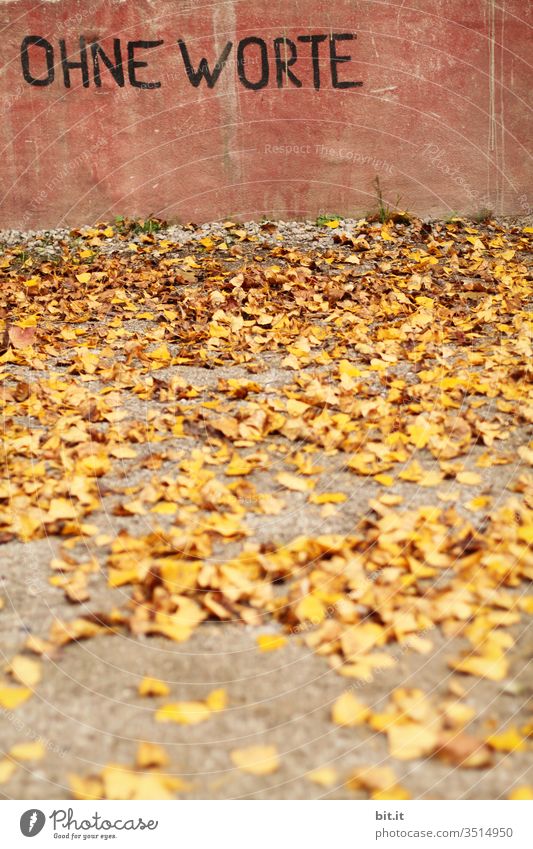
[(338, 60), (25, 59), (264, 63), (82, 64), (204, 72), (134, 63), (314, 41), (116, 68), (283, 63)]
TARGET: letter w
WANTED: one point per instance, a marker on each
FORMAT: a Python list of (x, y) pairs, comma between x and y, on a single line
[(204, 71)]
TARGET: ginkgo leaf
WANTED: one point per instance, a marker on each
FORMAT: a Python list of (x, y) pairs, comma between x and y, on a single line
[(294, 483), (153, 687), (325, 776), (410, 740), (256, 760), (509, 740), (524, 792), (271, 642), (25, 670), (151, 755), (7, 768), (349, 711), (12, 697), (183, 713), (27, 751)]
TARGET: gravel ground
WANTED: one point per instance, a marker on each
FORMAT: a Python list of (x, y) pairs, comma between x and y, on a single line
[(87, 711)]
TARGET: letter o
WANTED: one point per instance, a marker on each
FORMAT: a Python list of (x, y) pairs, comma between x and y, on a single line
[(38, 41), (241, 63)]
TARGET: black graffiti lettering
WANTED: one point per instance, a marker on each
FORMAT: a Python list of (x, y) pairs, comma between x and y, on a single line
[(284, 62), (241, 63), (37, 41), (314, 41), (339, 60), (134, 63), (69, 66), (256, 60), (204, 71), (115, 68)]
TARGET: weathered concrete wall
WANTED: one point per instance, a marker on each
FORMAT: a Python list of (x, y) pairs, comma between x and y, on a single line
[(431, 96)]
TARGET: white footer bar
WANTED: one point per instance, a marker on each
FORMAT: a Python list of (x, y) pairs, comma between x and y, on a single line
[(269, 825)]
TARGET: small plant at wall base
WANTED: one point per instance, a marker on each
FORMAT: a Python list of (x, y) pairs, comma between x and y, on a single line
[(327, 219), (385, 213), (483, 216), (148, 225)]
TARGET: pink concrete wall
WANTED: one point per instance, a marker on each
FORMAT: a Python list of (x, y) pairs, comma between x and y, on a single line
[(433, 98)]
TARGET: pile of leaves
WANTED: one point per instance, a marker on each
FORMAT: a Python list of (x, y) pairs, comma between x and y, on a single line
[(396, 364)]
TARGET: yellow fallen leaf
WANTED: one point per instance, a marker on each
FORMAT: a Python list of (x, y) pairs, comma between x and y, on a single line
[(493, 668), (94, 464), (61, 508), (153, 687), (123, 452), (361, 638), (86, 789), (478, 503), (119, 782), (508, 741), (295, 483), (372, 778), (184, 713), (153, 785), (27, 751), (463, 750), (349, 711), (458, 714), (7, 768), (525, 533), (469, 478), (151, 755), (161, 354), (165, 508), (271, 642), (384, 480), (524, 792), (256, 760), (396, 793), (25, 670), (326, 776), (12, 697), (410, 740), (84, 277), (62, 633), (327, 498), (310, 609), (348, 369), (217, 700), (239, 466)]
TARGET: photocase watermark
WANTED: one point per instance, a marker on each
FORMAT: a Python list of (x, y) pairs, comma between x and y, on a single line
[(56, 183), (65, 824), (25, 729), (32, 822), (346, 154), (439, 157), (338, 154)]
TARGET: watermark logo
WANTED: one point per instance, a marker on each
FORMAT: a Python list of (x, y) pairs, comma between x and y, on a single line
[(32, 822)]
